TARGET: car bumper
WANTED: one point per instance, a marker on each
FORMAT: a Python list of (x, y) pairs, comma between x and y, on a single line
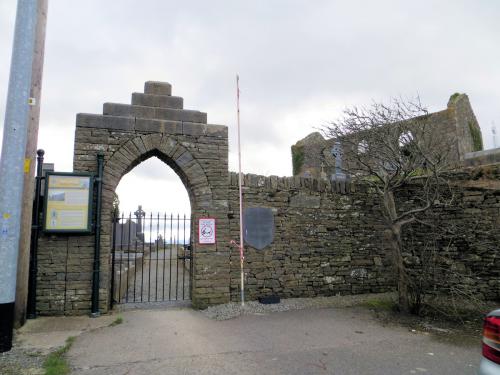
[(488, 368)]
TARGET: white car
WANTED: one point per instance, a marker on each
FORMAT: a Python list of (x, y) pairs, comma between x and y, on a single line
[(490, 362)]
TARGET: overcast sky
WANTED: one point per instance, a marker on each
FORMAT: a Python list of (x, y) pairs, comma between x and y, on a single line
[(300, 63)]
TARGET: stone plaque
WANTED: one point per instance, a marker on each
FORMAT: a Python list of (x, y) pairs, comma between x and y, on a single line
[(258, 227)]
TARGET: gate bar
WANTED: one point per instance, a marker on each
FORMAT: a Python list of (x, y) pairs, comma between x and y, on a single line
[(116, 219), (129, 222), (97, 245)]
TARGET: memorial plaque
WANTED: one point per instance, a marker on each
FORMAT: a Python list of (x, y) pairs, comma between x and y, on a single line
[(258, 227)]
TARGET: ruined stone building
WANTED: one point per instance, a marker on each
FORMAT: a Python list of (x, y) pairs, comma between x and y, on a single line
[(457, 124)]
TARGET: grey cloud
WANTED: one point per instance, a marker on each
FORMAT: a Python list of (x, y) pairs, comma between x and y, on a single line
[(289, 54)]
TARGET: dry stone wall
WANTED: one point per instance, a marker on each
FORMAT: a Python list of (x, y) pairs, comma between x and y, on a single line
[(465, 230), (328, 241)]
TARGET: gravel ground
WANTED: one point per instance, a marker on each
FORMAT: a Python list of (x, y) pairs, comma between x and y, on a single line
[(232, 310), (21, 362)]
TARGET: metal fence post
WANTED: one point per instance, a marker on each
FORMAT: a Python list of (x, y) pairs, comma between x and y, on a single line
[(97, 245)]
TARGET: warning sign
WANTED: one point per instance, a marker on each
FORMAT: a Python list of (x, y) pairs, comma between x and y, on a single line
[(206, 231)]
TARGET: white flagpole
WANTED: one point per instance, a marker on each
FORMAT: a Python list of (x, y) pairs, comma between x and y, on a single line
[(241, 194)]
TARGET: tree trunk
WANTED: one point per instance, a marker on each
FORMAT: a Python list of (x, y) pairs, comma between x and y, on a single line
[(396, 245), (397, 249)]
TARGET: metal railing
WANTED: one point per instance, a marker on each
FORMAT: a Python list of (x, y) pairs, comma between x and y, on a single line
[(152, 258)]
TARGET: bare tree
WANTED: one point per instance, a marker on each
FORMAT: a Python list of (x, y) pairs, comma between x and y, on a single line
[(388, 146)]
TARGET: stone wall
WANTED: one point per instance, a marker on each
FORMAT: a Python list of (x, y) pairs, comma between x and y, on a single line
[(485, 157), (465, 228), (327, 242), (64, 282)]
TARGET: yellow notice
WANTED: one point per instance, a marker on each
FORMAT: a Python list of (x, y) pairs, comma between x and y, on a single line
[(6, 216), (67, 203), (72, 182), (27, 165)]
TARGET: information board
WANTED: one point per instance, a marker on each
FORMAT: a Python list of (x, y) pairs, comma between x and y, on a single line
[(206, 231), (68, 202)]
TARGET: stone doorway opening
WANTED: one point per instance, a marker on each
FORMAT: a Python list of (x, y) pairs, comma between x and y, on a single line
[(152, 257)]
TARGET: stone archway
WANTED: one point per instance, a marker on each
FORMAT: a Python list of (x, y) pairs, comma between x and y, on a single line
[(155, 124), (167, 149)]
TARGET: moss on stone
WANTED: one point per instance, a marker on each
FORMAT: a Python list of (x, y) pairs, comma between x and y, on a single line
[(477, 139), (454, 96), (297, 158)]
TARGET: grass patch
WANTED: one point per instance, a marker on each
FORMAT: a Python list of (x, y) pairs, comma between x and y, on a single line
[(56, 363), (381, 304), (118, 320)]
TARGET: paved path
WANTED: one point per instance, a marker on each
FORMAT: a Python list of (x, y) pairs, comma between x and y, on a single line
[(159, 276), (321, 341)]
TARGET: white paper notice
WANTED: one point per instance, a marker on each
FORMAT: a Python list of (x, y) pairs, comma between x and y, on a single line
[(206, 231)]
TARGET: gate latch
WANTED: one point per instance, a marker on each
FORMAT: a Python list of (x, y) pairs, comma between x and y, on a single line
[(187, 253)]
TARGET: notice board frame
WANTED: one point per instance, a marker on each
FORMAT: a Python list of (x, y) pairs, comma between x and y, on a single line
[(88, 228)]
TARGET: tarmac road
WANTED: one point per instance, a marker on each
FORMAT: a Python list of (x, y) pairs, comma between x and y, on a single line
[(340, 341)]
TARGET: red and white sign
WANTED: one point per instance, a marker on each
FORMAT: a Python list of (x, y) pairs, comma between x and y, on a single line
[(206, 230)]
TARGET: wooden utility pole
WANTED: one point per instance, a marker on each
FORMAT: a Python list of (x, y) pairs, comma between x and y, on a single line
[(30, 163)]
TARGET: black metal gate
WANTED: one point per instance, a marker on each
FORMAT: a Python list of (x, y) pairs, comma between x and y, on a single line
[(151, 257)]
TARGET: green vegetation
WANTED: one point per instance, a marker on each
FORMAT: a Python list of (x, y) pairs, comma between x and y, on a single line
[(454, 96), (477, 139), (118, 320), (297, 158), (56, 363), (381, 304)]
